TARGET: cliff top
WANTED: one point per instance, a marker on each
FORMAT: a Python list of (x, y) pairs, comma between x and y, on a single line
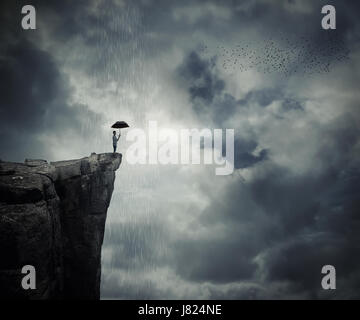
[(52, 217), (24, 181), (102, 161)]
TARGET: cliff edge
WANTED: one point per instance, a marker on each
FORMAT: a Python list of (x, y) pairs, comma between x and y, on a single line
[(52, 217)]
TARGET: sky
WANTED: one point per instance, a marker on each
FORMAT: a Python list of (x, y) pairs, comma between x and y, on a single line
[(265, 68)]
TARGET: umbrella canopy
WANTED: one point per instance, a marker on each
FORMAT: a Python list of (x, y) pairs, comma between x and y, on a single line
[(120, 124)]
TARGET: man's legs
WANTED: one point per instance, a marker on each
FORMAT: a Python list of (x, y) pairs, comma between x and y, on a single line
[(114, 148)]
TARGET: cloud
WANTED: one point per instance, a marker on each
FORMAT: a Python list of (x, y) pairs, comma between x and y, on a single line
[(201, 79), (36, 96), (209, 98), (181, 232), (263, 97), (35, 101)]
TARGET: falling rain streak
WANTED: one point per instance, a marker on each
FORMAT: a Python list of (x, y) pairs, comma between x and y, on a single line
[(132, 220)]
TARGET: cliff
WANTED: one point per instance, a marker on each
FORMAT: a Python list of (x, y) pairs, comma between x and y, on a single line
[(52, 217)]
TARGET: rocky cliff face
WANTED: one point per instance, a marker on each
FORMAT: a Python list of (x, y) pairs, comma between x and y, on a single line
[(52, 216)]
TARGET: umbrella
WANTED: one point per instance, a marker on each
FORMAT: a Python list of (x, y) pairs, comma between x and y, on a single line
[(120, 124)]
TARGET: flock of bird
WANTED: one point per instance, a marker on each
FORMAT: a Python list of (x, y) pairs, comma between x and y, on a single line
[(288, 56)]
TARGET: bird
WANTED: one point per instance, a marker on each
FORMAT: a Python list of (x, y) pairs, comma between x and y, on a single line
[(306, 55)]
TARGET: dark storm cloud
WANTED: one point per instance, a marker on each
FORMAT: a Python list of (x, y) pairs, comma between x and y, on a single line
[(322, 226), (292, 223), (208, 97), (34, 95), (267, 96), (293, 19), (281, 226), (292, 104), (299, 262), (215, 261), (301, 223), (30, 86), (208, 94), (243, 153), (111, 29), (201, 79), (67, 19), (328, 234), (263, 97), (298, 224)]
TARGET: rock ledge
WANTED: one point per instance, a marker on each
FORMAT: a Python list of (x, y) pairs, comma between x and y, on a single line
[(52, 216)]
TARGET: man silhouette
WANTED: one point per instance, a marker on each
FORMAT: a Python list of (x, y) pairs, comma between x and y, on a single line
[(115, 139)]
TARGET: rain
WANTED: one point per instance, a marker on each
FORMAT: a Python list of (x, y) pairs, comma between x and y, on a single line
[(263, 68)]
